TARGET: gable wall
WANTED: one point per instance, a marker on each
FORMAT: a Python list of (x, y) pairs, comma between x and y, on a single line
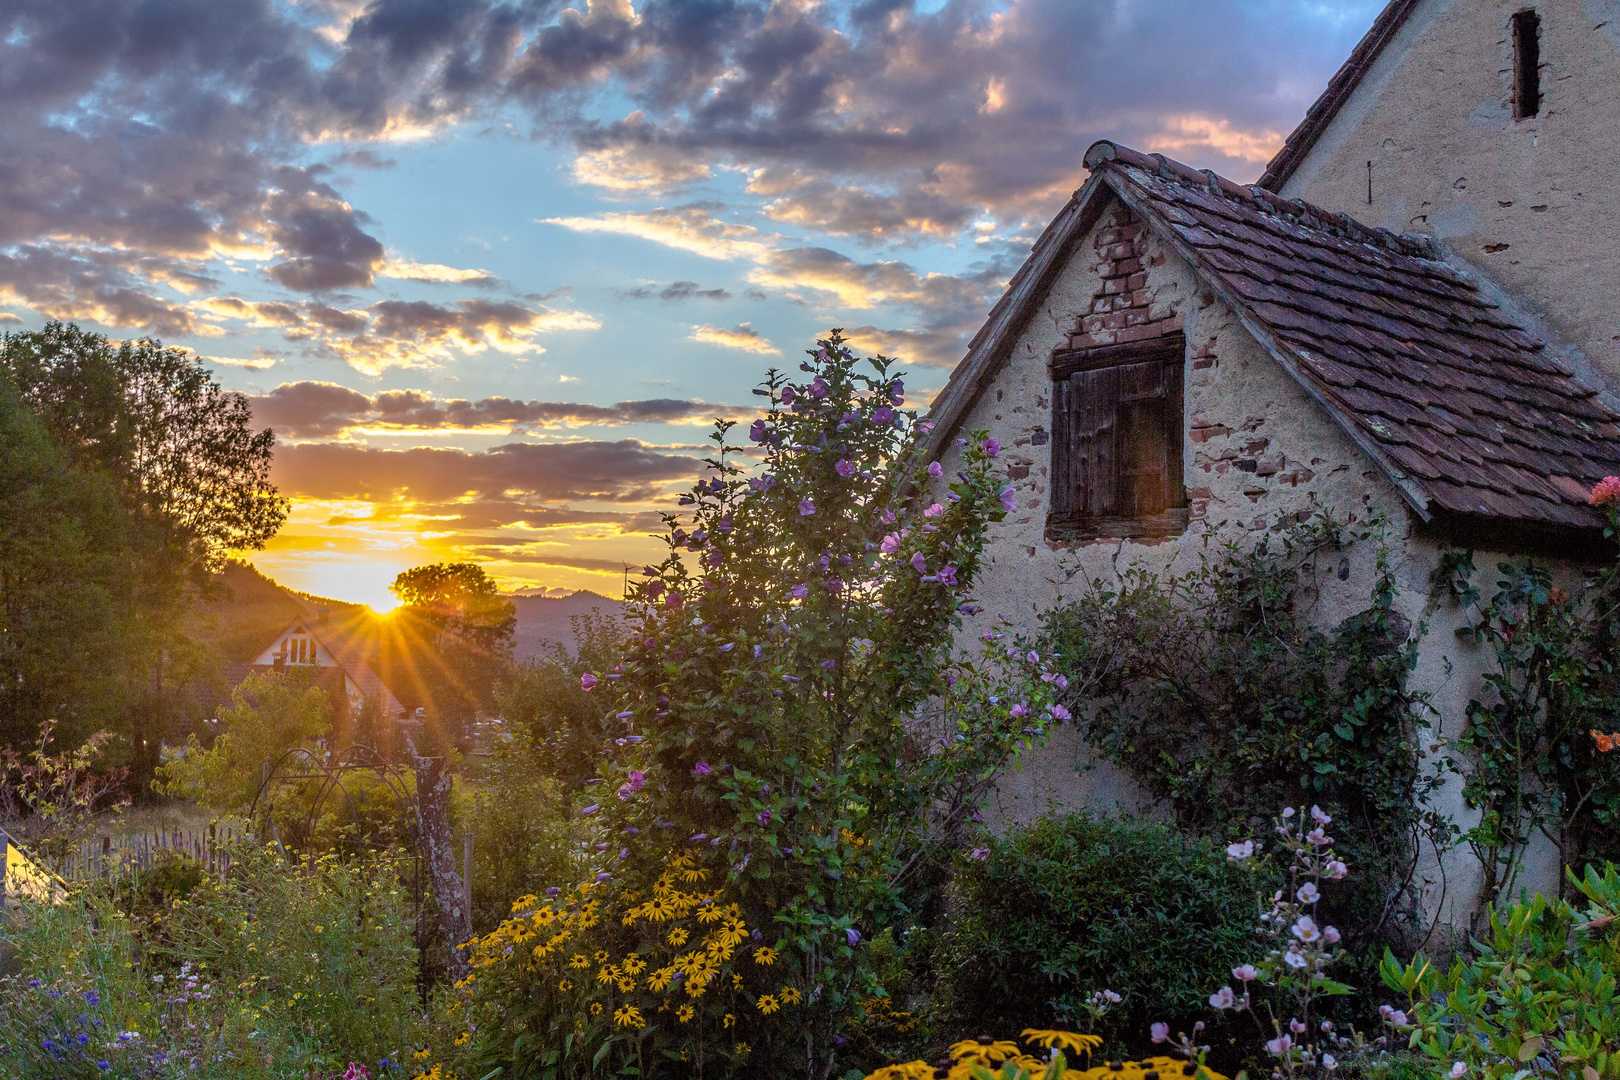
[(1533, 204), (1258, 453)]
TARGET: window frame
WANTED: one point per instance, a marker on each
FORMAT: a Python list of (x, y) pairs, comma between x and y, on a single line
[(1069, 522), (1525, 31)]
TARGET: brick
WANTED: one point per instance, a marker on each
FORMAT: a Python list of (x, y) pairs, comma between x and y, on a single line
[(1199, 493), (1204, 434), (1199, 365), (1133, 318), (1136, 281), (1018, 472), (1139, 333)]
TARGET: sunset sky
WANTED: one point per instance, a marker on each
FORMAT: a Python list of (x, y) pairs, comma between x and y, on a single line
[(490, 269)]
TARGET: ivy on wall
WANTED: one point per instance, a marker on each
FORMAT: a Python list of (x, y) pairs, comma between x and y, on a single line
[(1220, 695)]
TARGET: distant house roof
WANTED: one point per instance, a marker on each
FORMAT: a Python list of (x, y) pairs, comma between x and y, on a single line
[(1463, 410), (1339, 89), (348, 642)]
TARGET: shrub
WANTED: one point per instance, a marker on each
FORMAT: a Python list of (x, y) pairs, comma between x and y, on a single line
[(1538, 1001), (789, 725), (1073, 905)]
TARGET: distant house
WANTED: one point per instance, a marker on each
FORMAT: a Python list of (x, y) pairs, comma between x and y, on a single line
[(335, 653)]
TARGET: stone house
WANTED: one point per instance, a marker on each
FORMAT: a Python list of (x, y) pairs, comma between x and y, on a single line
[(338, 655), (1415, 313)]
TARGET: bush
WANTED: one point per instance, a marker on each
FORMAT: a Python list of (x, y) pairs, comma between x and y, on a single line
[(1074, 905), (1539, 1000)]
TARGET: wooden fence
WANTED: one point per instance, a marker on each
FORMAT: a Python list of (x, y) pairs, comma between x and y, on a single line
[(110, 855)]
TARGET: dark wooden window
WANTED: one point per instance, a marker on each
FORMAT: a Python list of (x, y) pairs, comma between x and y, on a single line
[(1117, 441), (1526, 64)]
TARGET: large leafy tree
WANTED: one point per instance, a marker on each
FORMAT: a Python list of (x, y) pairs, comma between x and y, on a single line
[(67, 575), (190, 472), (456, 633)]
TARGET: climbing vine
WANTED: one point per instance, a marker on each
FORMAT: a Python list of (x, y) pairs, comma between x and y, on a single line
[(1216, 690)]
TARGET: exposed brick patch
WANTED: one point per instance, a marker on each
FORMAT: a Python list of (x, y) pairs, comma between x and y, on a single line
[(1205, 432), (1122, 311), (1018, 472)]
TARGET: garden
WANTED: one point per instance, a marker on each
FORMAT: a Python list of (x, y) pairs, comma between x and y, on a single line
[(743, 831)]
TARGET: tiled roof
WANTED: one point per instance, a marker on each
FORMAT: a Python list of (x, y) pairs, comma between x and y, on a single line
[(1461, 408)]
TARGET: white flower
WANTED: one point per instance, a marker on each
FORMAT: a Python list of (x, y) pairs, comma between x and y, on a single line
[(1293, 957), (1280, 1045), (1239, 852), (1318, 837), (1159, 1032), (1222, 998), (1245, 973), (1319, 817), (1328, 1062), (1305, 929), (1288, 812), (1337, 870), (1330, 935), (1307, 893), (1457, 1070)]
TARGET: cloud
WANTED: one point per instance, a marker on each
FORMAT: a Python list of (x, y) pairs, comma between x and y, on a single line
[(401, 333), (436, 273), (675, 290), (322, 410), (527, 473), (253, 363), (693, 227), (8, 317), (742, 336)]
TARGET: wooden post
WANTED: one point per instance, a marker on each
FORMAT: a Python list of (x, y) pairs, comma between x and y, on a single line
[(106, 849), (466, 870)]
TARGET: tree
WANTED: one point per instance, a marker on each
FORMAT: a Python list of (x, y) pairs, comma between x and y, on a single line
[(67, 577), (458, 629), (191, 474)]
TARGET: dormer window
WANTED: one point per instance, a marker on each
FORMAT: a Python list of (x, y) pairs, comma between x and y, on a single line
[(1526, 65)]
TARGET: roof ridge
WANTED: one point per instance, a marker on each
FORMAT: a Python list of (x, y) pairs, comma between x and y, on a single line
[(1104, 152)]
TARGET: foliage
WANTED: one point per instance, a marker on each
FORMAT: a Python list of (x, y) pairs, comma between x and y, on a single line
[(464, 627), (67, 636), (271, 713), (789, 716), (60, 790), (562, 727), (1539, 1000), (192, 477), (526, 837), (272, 973), (1216, 690), (1527, 753), (1056, 909)]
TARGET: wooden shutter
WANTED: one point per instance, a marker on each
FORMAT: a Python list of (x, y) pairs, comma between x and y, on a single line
[(1093, 455), (1144, 487), (1062, 483)]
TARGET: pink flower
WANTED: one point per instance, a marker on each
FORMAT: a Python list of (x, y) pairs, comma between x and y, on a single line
[(587, 681), (936, 470), (1337, 870), (799, 591), (1009, 498), (845, 467), (1320, 816), (764, 817), (919, 562), (979, 854), (1058, 712), (1305, 929), (890, 544), (1280, 1045), (1308, 893), (991, 447), (675, 600), (806, 507), (655, 589), (818, 387), (934, 511), (701, 769), (1239, 852), (1318, 837), (1607, 492), (1222, 998), (1018, 710), (1330, 935), (1245, 973), (1159, 1032), (947, 575)]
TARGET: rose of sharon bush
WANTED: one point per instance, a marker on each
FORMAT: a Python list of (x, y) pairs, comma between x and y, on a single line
[(797, 753)]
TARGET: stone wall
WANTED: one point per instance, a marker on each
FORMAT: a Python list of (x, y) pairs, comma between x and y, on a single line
[(1259, 453)]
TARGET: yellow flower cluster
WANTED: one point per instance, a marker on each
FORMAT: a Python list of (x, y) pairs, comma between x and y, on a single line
[(984, 1058)]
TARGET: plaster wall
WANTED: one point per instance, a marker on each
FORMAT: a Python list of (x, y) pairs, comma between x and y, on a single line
[(1258, 454), (1532, 204)]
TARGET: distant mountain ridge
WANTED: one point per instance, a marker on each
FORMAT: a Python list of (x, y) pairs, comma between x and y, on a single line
[(543, 619)]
